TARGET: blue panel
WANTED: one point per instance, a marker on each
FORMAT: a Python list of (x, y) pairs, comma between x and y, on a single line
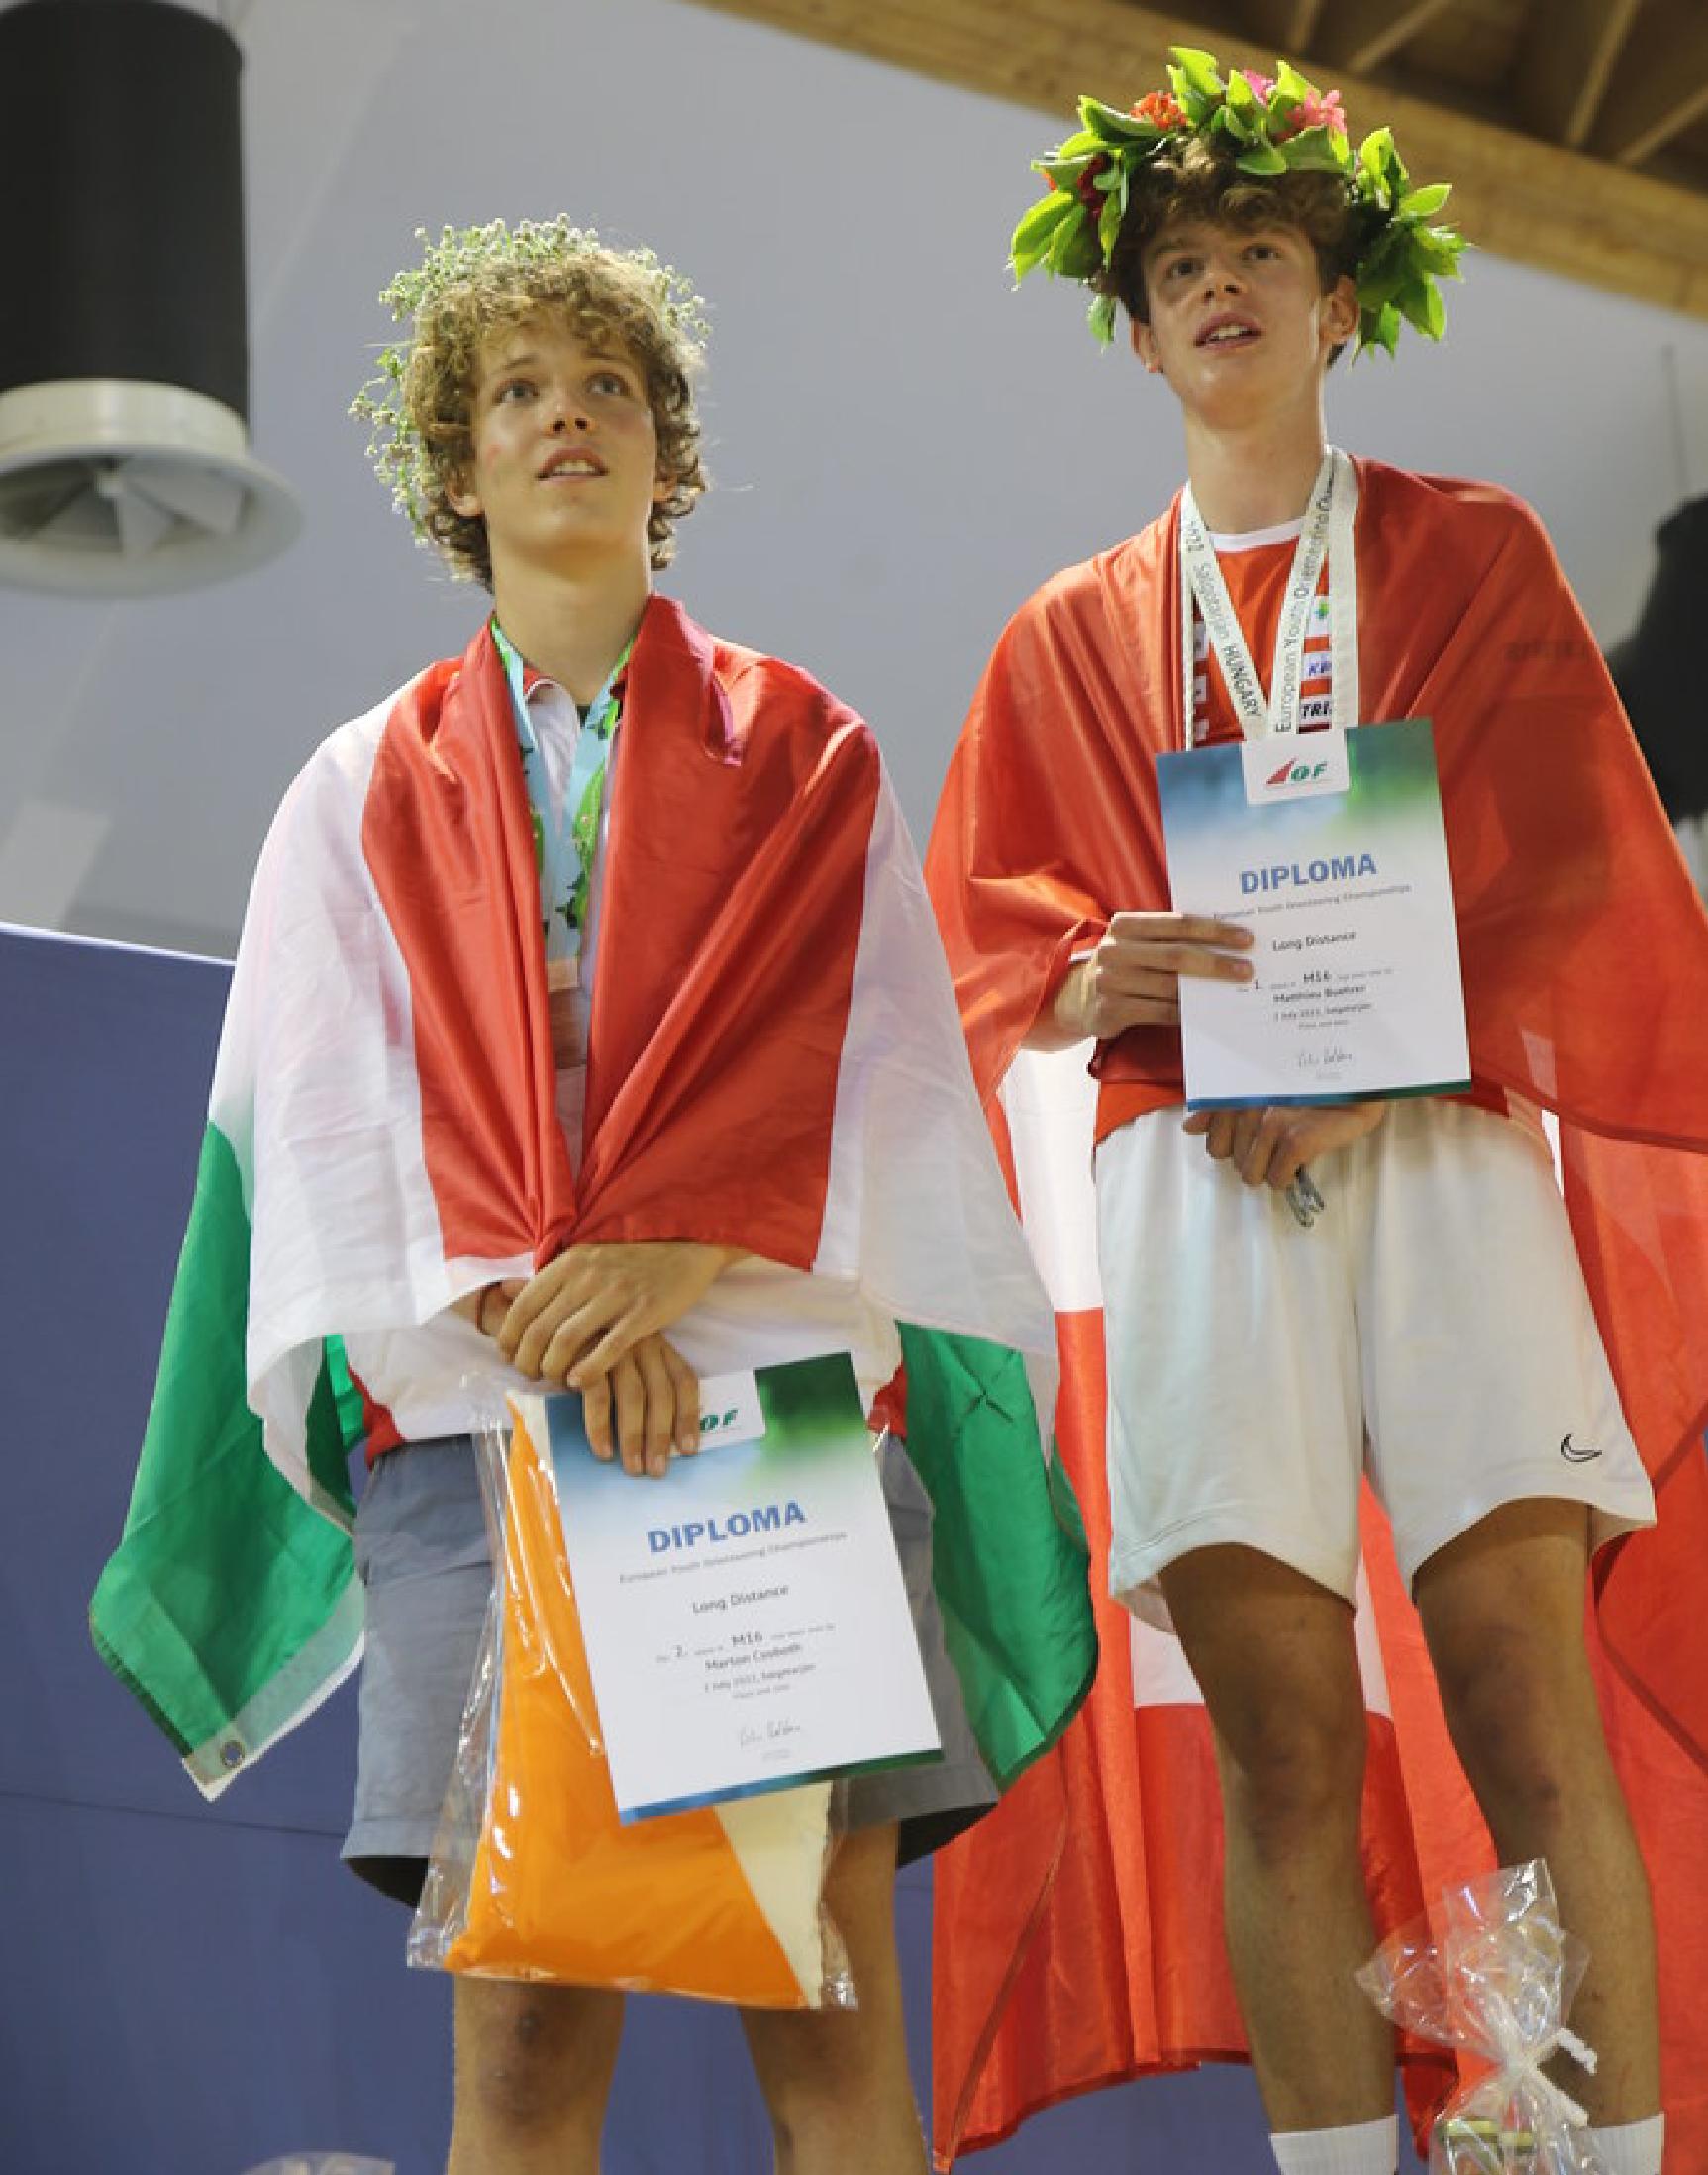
[(201, 1996), (105, 1058)]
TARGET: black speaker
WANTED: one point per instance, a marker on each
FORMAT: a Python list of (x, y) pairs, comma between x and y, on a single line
[(124, 349)]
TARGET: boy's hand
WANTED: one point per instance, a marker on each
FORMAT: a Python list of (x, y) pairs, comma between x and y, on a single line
[(575, 1320), (1269, 1144), (646, 1409), (1132, 978)]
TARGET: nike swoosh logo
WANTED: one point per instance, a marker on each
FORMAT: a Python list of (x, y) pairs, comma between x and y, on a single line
[(1574, 1456)]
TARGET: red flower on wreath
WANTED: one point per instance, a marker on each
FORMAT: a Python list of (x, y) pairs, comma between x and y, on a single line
[(1161, 109), (1090, 195)]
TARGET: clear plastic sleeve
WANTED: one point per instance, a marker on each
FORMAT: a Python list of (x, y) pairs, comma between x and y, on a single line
[(1491, 1973), (534, 1876)]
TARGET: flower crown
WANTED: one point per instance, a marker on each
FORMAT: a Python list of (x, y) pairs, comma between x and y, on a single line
[(1274, 124), (400, 455)]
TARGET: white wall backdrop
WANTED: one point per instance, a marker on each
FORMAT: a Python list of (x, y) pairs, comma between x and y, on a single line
[(901, 447)]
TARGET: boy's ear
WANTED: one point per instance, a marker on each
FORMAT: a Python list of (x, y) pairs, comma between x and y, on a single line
[(461, 495), (1144, 345), (1340, 311)]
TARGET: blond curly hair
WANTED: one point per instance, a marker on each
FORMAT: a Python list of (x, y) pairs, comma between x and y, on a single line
[(475, 286)]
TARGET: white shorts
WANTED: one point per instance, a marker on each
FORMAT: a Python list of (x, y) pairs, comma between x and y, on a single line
[(1431, 1329)]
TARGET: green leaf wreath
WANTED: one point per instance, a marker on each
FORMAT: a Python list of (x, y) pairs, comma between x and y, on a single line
[(1275, 125)]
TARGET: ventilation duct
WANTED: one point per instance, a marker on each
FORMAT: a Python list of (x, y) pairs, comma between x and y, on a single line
[(124, 467)]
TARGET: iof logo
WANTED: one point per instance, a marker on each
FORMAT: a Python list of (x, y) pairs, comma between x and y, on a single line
[(1296, 773)]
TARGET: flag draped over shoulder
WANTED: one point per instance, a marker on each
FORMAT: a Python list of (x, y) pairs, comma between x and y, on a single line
[(775, 1064), (1084, 1916)]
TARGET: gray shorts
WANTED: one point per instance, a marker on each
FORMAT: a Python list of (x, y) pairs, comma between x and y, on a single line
[(421, 1551)]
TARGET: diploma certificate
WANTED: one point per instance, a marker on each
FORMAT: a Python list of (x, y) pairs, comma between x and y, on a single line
[(746, 1621), (1328, 848)]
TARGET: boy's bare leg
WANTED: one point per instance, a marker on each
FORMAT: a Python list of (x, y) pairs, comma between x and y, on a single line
[(533, 2072), (1502, 1609), (1275, 1658), (835, 2081)]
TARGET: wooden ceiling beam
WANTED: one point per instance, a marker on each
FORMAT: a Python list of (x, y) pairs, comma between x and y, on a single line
[(1659, 87), (1569, 54), (1512, 195), (1356, 36), (1284, 26)]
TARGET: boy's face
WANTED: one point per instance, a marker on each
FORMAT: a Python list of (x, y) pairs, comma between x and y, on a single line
[(563, 462), (1238, 317)]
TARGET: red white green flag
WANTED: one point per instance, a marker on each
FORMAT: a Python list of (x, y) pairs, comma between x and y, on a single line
[(775, 1064)]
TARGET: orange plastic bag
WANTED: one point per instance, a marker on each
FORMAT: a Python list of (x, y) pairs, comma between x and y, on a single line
[(534, 1876)]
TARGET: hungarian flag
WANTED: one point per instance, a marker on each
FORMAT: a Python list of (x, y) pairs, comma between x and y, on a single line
[(1080, 1928), (775, 1064)]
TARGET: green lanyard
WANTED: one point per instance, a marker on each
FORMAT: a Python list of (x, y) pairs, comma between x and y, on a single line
[(564, 844)]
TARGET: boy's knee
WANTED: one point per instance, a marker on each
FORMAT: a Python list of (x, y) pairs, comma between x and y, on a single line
[(1288, 1714), (1288, 1778), (535, 2057), (838, 2088), (1523, 1719)]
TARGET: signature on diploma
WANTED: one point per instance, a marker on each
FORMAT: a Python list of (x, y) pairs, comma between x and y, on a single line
[(776, 1728), (1326, 1059)]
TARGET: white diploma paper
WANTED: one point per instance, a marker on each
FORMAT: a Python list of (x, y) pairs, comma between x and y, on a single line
[(1329, 846), (746, 1619)]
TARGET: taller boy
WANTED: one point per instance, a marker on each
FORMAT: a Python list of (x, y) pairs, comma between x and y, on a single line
[(1433, 1327)]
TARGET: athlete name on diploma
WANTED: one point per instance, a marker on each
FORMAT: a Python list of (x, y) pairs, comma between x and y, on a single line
[(1328, 845), (746, 1621)]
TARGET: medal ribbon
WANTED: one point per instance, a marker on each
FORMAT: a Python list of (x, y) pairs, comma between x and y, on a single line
[(1327, 534), (564, 843)]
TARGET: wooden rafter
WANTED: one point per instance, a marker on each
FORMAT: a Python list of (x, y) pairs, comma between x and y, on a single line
[(1356, 36), (1570, 51), (1511, 194), (1661, 83), (1284, 26)]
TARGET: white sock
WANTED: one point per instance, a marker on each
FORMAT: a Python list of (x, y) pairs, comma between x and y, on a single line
[(1632, 2148), (1356, 2148)]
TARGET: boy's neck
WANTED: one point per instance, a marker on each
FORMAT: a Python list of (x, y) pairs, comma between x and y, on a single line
[(572, 630), (1254, 477)]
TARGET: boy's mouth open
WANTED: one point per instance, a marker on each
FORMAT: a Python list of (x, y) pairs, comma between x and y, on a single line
[(578, 461), (1227, 330)]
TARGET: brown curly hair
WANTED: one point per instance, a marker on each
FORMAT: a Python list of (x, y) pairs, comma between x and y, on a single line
[(1204, 182), (601, 297)]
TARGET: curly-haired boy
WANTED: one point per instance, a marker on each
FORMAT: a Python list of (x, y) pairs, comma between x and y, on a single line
[(588, 1029)]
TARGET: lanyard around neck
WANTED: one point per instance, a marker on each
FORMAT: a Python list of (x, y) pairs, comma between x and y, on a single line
[(1327, 534), (564, 840)]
